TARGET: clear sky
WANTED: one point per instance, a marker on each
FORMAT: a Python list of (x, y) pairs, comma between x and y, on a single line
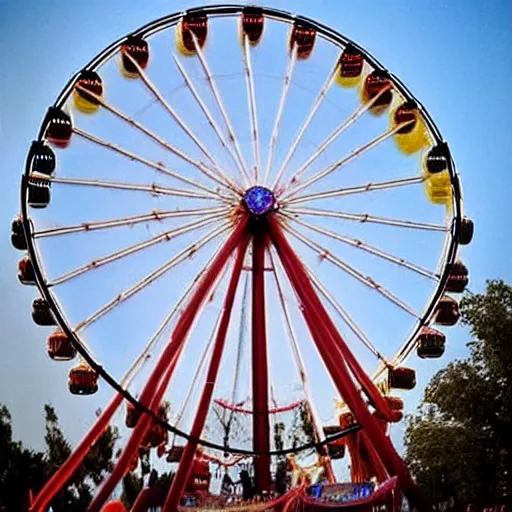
[(454, 56)]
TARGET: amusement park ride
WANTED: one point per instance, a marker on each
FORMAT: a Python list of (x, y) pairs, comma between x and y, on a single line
[(262, 205)]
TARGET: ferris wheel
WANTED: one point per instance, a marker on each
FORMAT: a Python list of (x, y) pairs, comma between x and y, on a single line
[(243, 223)]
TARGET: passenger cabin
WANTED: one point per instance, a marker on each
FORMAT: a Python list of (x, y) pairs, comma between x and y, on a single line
[(59, 127), (192, 26), (38, 192), (252, 24), (336, 449), (350, 66), (175, 453), (447, 312), (88, 88), (431, 343), (466, 231), (26, 272), (377, 83), (18, 240), (302, 37), (132, 415), (347, 420), (401, 377), (436, 160), (134, 49), (59, 346), (457, 278), (83, 380), (41, 313), (42, 158)]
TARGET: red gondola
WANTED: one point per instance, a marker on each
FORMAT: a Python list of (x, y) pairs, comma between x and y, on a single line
[(431, 343), (60, 347), (447, 312), (350, 66), (347, 420), (303, 37), (83, 380), (395, 403), (18, 240), (26, 273), (401, 378), (196, 24), (156, 436), (336, 450), (59, 127), (134, 49), (132, 415), (377, 82), (407, 112), (87, 88), (252, 24), (458, 278)]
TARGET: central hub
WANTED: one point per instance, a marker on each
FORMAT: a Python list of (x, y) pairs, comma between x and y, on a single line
[(259, 201)]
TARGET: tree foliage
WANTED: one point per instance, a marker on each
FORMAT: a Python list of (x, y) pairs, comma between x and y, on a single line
[(23, 470), (20, 469), (456, 442)]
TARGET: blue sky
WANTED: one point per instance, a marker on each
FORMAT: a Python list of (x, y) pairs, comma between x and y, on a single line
[(453, 55)]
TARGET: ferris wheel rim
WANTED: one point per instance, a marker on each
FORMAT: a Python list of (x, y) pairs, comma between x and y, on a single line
[(448, 258)]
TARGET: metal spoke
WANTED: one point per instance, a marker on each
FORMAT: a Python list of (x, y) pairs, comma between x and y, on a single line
[(153, 188), (340, 163), (153, 165), (136, 365), (299, 359), (366, 217), (157, 215), (213, 87), (367, 280), (347, 191), (117, 255), (211, 121), (158, 95), (197, 373), (333, 136), (150, 278), (344, 315), (287, 80), (221, 179), (359, 244), (251, 101), (314, 108)]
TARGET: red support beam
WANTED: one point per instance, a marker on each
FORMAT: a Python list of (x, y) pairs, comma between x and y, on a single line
[(158, 381), (182, 475), (324, 332), (143, 501), (66, 471), (260, 419), (134, 442)]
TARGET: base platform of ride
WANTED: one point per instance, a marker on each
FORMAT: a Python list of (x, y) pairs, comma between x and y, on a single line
[(359, 497)]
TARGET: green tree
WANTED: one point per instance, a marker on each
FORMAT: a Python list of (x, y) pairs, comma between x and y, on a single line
[(22, 470), (454, 442), (78, 493)]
